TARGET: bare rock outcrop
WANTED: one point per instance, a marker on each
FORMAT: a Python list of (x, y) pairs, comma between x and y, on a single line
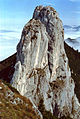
[(41, 70)]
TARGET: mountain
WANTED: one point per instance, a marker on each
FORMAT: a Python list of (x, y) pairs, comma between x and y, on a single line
[(7, 67), (67, 27), (74, 63), (75, 43), (42, 73), (75, 69), (72, 36), (72, 32), (6, 71), (74, 28)]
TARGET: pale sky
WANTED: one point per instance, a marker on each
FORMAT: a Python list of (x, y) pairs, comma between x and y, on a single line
[(18, 12), (14, 14)]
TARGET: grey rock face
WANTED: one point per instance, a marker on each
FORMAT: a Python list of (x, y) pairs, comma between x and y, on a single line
[(41, 70)]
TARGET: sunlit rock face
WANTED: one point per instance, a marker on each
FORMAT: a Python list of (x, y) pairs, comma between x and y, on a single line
[(41, 70)]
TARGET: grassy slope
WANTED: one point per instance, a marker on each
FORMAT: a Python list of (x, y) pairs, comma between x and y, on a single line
[(13, 105)]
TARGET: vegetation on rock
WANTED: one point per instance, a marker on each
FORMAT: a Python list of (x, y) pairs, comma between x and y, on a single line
[(13, 105)]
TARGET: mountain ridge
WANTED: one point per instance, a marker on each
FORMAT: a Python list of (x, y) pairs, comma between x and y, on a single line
[(76, 28)]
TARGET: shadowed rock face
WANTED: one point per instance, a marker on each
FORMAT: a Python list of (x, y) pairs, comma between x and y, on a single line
[(41, 70)]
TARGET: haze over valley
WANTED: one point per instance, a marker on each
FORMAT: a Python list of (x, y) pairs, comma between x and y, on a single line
[(12, 21), (9, 39)]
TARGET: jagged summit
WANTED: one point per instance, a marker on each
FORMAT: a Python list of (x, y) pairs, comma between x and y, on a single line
[(49, 17), (41, 70), (45, 13)]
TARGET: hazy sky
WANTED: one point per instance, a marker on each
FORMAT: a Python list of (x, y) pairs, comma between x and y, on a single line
[(15, 13)]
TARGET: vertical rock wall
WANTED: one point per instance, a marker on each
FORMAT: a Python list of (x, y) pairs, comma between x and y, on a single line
[(41, 70)]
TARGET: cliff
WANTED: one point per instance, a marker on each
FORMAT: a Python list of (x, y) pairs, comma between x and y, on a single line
[(42, 71)]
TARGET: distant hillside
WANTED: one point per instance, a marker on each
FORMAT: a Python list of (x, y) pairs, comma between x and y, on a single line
[(73, 42), (74, 63), (7, 67), (7, 62), (75, 28)]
